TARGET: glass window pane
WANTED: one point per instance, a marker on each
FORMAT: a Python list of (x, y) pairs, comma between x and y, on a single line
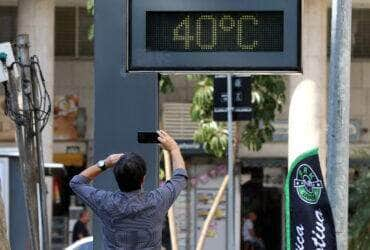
[(86, 47), (8, 24), (65, 28)]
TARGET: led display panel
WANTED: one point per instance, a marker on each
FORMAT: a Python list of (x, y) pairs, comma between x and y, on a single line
[(248, 36), (215, 31)]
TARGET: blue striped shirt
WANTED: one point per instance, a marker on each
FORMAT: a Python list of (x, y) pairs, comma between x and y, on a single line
[(131, 220)]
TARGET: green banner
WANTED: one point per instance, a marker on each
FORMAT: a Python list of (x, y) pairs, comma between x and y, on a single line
[(309, 221)]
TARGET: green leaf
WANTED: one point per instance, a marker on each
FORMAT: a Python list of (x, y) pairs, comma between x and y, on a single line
[(90, 6), (359, 208), (165, 84), (90, 11), (268, 97), (90, 35)]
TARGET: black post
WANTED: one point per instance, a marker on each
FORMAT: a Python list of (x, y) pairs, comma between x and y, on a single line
[(124, 103)]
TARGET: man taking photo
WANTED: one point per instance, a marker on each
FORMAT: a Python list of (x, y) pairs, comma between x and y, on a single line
[(131, 218)]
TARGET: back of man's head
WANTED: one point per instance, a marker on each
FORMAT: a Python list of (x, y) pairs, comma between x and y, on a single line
[(129, 172)]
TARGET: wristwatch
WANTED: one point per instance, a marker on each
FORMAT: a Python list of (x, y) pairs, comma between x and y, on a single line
[(101, 165)]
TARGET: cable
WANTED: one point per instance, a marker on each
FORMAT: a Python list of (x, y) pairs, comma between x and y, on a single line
[(42, 109), (36, 114)]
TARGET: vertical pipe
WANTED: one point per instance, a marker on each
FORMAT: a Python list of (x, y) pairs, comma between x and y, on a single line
[(230, 163), (170, 213), (40, 164), (338, 117), (41, 239), (194, 210)]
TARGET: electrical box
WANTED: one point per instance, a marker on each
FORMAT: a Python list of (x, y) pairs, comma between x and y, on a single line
[(6, 52), (3, 73)]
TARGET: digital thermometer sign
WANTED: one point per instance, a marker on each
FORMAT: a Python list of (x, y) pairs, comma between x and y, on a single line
[(254, 36), (215, 31)]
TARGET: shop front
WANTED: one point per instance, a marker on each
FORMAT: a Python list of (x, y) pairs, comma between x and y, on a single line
[(261, 202)]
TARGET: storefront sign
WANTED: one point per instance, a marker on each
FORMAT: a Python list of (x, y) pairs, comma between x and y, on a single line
[(282, 129), (190, 147), (273, 177)]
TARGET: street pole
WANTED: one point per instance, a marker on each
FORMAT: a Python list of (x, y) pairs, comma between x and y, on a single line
[(338, 117), (27, 156), (30, 151), (230, 167), (41, 185)]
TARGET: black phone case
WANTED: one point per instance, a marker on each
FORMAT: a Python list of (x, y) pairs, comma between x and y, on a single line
[(147, 137)]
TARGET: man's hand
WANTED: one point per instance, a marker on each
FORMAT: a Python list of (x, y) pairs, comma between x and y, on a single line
[(167, 142), (112, 159), (94, 170)]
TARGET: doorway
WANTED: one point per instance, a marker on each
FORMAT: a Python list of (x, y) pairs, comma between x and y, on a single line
[(262, 197)]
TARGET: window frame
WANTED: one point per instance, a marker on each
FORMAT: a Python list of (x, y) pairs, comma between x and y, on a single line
[(76, 55)]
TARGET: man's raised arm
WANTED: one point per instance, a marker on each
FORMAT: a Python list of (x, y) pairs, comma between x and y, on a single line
[(90, 195), (172, 188)]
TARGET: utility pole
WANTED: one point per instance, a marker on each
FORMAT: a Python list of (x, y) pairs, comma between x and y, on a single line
[(338, 117), (25, 98)]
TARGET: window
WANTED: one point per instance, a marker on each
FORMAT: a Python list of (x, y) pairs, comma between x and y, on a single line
[(72, 25), (65, 27), (86, 47), (8, 23), (360, 33)]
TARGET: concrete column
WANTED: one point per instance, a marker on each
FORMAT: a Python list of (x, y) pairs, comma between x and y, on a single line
[(307, 112), (37, 18)]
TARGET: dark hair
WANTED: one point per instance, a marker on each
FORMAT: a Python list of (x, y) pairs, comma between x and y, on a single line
[(84, 211), (129, 172)]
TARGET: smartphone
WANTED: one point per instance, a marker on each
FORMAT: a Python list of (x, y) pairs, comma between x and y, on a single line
[(147, 137)]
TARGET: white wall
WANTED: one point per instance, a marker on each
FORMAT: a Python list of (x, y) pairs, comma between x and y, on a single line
[(77, 77)]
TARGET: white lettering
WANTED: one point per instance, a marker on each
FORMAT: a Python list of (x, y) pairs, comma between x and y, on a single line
[(318, 234), (319, 215), (299, 245)]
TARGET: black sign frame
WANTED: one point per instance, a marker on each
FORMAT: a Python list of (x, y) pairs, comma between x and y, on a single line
[(286, 62), (242, 108)]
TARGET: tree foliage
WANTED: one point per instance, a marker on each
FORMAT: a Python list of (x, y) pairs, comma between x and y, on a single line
[(165, 84), (90, 10), (359, 205), (359, 212), (268, 97)]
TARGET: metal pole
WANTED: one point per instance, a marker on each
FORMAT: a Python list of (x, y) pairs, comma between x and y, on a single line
[(230, 167), (30, 147), (28, 161), (40, 163), (194, 212), (338, 117)]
